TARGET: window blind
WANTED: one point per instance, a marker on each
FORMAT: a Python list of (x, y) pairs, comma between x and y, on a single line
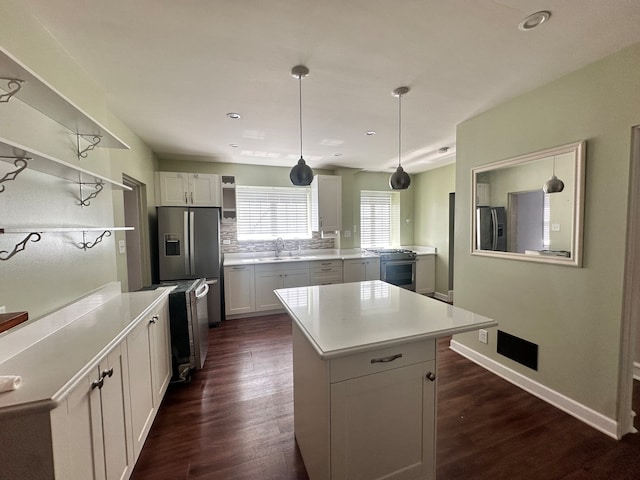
[(375, 218), (269, 212)]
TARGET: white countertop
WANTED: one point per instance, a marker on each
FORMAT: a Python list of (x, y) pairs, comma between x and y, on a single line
[(342, 319), (257, 258), (53, 364)]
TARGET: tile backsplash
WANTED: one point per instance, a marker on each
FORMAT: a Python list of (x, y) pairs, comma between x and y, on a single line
[(229, 233)]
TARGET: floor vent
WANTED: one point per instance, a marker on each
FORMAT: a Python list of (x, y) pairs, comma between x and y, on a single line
[(518, 349)]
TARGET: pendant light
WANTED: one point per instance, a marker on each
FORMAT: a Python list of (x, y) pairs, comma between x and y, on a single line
[(554, 184), (301, 174), (400, 180)]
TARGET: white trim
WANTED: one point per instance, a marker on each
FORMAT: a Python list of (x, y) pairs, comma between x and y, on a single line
[(592, 418), (636, 370), (441, 296)]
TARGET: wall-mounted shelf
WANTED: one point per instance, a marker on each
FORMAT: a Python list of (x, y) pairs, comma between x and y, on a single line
[(22, 83), (23, 157), (228, 183), (34, 235)]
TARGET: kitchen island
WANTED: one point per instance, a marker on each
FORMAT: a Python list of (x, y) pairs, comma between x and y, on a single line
[(364, 364)]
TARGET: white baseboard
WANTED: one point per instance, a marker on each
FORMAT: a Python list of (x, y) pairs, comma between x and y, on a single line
[(636, 370), (592, 418)]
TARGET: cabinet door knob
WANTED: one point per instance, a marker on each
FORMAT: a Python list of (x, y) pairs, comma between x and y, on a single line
[(107, 373), (431, 376), (97, 384)]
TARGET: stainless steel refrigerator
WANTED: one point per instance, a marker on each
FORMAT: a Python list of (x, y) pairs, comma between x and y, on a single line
[(491, 229), (189, 248)]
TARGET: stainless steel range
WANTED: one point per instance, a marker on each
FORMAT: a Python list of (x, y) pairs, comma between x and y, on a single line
[(398, 267)]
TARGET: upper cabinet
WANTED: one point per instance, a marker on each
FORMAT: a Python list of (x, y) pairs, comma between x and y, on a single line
[(228, 199), (177, 189), (326, 203)]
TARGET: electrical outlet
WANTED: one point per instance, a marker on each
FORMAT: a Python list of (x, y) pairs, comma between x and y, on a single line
[(483, 336), (122, 246), (226, 241), (555, 227)]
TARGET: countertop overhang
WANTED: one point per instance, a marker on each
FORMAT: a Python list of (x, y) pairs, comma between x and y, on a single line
[(343, 319)]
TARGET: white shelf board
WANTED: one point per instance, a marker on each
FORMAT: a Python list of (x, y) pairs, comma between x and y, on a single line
[(37, 93), (52, 166), (61, 229)]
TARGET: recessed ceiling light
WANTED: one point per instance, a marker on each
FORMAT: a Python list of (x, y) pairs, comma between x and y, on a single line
[(370, 132), (534, 20), (233, 115), (233, 145), (337, 154)]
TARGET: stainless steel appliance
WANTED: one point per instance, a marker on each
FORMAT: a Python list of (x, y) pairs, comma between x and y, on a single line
[(189, 327), (398, 267), (491, 229), (189, 248)]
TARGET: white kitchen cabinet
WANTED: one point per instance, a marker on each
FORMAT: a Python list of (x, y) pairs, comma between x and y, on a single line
[(326, 203), (360, 269), (177, 189), (149, 371), (365, 415), (325, 272), (270, 277), (425, 274), (239, 289), (228, 199), (91, 430)]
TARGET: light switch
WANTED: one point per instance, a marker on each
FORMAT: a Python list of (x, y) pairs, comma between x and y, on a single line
[(555, 227), (121, 246)]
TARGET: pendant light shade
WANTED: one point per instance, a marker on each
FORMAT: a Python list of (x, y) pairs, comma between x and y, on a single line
[(301, 174), (400, 180), (554, 184)]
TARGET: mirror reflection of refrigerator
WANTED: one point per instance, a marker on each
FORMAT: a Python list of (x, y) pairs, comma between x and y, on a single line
[(491, 228), (189, 248)]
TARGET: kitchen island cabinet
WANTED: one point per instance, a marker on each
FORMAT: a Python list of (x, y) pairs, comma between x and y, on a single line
[(364, 362)]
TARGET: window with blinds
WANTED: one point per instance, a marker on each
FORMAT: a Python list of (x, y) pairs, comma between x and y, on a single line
[(378, 213), (265, 213)]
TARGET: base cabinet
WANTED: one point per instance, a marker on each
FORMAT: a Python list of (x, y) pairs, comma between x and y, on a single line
[(149, 372), (97, 430), (271, 277), (239, 289), (361, 269), (92, 430), (358, 418), (425, 274)]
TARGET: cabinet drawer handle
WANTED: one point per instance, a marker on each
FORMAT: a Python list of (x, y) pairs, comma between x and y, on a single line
[(97, 384), (390, 358), (186, 201), (325, 269), (107, 373), (325, 263), (431, 376), (192, 198), (239, 268)]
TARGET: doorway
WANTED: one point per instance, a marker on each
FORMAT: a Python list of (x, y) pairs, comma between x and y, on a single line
[(630, 337), (133, 208)]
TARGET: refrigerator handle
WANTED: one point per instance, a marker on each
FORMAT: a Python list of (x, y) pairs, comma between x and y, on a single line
[(185, 232), (494, 230), (192, 243)]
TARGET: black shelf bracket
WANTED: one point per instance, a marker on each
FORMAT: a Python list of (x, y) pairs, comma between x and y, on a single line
[(13, 86), (6, 255), (20, 163)]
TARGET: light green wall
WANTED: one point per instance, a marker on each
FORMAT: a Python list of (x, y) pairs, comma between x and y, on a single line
[(353, 181), (55, 271), (431, 222), (573, 314)]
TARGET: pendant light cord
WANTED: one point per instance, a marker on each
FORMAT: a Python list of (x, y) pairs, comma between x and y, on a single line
[(300, 104), (399, 128)]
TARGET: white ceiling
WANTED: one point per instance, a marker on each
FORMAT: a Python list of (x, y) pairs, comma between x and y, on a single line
[(173, 69)]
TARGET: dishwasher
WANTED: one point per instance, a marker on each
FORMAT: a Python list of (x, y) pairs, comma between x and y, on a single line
[(189, 325)]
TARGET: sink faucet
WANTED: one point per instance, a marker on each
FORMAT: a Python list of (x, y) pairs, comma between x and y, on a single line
[(279, 246)]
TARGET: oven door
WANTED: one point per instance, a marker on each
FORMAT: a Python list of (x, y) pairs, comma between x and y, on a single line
[(399, 272)]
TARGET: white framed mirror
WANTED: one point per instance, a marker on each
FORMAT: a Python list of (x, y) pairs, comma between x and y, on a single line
[(517, 213)]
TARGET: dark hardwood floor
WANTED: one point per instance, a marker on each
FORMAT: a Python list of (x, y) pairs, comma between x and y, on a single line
[(235, 421)]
